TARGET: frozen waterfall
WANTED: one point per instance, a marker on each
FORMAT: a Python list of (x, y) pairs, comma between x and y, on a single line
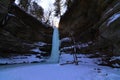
[(54, 58)]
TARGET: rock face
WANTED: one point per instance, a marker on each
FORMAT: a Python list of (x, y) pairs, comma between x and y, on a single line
[(18, 29), (82, 14), (94, 20), (109, 28)]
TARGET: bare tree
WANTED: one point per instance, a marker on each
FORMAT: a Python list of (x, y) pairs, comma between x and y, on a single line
[(48, 16)]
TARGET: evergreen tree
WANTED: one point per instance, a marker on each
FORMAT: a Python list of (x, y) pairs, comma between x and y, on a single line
[(37, 11), (57, 5), (68, 3), (32, 8), (60, 5), (24, 4)]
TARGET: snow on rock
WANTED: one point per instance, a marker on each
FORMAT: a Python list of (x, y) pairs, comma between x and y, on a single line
[(36, 50), (67, 39), (115, 60), (115, 57), (83, 45), (113, 18), (9, 14), (90, 42), (40, 43), (79, 45), (20, 59), (111, 9), (65, 48)]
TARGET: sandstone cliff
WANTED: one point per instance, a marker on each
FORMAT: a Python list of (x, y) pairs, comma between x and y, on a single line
[(18, 30)]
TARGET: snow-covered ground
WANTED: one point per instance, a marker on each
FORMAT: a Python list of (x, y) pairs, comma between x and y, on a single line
[(86, 70), (30, 58)]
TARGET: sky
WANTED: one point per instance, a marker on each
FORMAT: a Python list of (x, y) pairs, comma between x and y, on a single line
[(47, 5)]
